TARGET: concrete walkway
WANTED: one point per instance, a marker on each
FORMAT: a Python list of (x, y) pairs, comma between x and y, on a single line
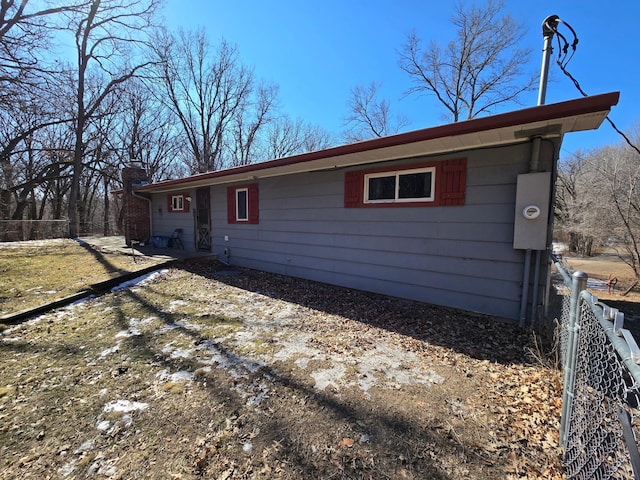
[(117, 244)]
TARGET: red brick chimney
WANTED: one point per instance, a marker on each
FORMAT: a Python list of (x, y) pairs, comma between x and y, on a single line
[(137, 224)]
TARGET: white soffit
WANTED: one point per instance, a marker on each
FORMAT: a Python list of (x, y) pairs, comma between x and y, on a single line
[(492, 137)]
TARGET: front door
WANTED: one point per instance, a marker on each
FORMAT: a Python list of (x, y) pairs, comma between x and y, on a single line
[(203, 219)]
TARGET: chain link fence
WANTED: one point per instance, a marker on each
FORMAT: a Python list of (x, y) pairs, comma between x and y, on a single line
[(21, 230), (601, 395)]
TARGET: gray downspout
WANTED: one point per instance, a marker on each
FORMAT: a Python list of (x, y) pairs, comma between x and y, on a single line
[(526, 280), (548, 29)]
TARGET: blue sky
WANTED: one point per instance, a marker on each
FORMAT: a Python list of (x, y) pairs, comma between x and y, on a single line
[(317, 51)]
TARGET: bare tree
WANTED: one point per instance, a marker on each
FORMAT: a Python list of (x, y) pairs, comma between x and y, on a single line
[(286, 137), (617, 183), (577, 205), (145, 130), (25, 31), (598, 198), (207, 89), (479, 70), (107, 36), (248, 123), (369, 117)]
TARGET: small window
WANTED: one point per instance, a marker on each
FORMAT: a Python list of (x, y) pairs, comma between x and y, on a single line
[(401, 186), (177, 203), (242, 205)]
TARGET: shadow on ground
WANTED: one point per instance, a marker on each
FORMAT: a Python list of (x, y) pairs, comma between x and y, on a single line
[(479, 336)]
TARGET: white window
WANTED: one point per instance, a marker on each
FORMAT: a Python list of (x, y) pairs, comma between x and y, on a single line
[(242, 205), (400, 186), (177, 203)]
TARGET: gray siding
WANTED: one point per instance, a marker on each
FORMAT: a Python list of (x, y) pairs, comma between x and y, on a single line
[(458, 256), (164, 222)]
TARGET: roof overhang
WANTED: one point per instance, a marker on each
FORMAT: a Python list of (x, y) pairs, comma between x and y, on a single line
[(546, 121)]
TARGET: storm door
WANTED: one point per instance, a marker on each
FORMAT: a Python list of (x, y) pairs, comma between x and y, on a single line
[(203, 218)]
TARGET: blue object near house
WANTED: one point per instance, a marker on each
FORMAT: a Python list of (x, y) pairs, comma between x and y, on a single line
[(160, 241)]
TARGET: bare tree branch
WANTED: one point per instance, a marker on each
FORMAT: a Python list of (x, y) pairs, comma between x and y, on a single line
[(478, 71)]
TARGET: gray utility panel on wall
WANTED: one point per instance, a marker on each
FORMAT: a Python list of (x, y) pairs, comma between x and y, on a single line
[(532, 211)]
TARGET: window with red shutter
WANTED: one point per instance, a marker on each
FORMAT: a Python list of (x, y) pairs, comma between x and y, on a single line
[(178, 202), (418, 185), (243, 204)]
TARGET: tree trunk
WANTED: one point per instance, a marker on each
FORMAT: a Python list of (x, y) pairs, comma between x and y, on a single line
[(105, 217)]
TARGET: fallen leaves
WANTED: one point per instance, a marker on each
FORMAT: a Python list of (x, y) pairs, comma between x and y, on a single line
[(347, 442), (491, 415)]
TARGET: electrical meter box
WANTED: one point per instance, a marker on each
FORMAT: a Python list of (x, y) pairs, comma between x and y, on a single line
[(533, 199)]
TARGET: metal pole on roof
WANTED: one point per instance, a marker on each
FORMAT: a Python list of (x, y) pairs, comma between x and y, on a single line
[(549, 27)]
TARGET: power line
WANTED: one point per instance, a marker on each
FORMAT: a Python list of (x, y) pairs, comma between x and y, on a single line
[(566, 51)]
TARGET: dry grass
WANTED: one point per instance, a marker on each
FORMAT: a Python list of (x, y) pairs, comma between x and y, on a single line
[(34, 273), (201, 374)]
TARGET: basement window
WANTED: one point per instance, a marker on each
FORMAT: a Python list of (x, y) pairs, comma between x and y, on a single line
[(401, 186)]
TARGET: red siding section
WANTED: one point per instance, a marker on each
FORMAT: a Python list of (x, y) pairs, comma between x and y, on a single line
[(451, 182), (254, 210), (353, 189), (231, 204)]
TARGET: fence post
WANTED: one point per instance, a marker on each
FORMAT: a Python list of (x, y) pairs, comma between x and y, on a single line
[(571, 358)]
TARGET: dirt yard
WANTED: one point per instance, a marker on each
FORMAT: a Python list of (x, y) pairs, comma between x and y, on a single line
[(600, 268), (202, 371)]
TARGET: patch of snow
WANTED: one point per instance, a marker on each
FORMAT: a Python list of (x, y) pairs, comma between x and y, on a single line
[(84, 447), (103, 426), (247, 447), (9, 339), (142, 280), (328, 376), (297, 345), (112, 350), (169, 327), (181, 353), (180, 376), (68, 468), (396, 365), (126, 420), (125, 406), (131, 332), (227, 359), (136, 323), (176, 303)]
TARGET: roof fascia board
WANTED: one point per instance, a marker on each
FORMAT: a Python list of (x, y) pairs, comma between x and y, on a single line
[(507, 128)]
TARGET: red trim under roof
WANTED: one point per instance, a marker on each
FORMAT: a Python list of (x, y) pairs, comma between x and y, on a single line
[(580, 106)]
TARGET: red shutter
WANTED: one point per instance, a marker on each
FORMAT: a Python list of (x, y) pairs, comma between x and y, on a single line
[(253, 199), (451, 182), (353, 189), (231, 205), (169, 203)]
